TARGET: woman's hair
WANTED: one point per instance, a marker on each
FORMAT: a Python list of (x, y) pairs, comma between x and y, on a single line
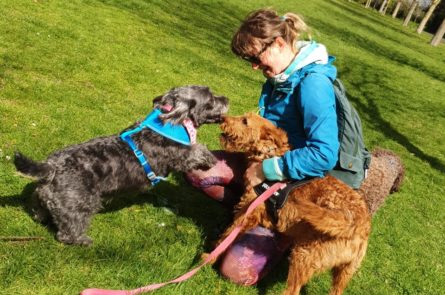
[(261, 27)]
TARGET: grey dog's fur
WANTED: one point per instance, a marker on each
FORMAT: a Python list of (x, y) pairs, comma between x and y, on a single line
[(72, 181)]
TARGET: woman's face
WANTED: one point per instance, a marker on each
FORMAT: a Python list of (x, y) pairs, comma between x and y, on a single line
[(274, 59)]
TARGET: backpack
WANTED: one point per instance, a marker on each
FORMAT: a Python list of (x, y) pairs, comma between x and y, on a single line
[(353, 157)]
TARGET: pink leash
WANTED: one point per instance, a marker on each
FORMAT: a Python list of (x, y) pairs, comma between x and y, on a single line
[(212, 256)]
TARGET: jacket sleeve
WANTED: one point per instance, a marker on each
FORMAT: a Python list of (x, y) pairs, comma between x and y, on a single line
[(316, 103)]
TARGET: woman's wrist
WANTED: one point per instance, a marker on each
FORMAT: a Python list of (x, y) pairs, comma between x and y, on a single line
[(272, 170)]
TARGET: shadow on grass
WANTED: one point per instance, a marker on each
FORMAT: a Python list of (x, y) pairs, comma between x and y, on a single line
[(279, 275), (382, 51), (22, 200), (369, 111), (209, 24), (371, 16), (184, 201), (12, 201), (211, 216), (391, 132)]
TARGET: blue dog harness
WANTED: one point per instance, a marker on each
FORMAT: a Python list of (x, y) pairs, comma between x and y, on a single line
[(182, 134)]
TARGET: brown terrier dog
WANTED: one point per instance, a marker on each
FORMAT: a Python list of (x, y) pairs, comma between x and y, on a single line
[(326, 220)]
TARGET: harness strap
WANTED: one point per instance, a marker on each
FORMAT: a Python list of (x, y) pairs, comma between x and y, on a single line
[(212, 256), (126, 137), (185, 134), (279, 198)]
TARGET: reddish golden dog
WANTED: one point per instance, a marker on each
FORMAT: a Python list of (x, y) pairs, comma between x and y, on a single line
[(327, 221)]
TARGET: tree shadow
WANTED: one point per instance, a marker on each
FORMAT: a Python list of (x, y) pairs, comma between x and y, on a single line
[(183, 200), (20, 201), (391, 132), (382, 51), (207, 24), (279, 275), (369, 111), (370, 15)]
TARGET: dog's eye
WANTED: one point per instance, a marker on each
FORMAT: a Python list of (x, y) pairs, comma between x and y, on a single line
[(244, 121)]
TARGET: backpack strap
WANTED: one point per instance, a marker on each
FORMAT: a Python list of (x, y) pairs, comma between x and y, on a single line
[(126, 137)]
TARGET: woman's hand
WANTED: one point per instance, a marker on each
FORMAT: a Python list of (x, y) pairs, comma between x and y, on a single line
[(254, 174)]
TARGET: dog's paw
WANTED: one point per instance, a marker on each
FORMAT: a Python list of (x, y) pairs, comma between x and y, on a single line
[(201, 158), (69, 240), (40, 215), (84, 241), (206, 165)]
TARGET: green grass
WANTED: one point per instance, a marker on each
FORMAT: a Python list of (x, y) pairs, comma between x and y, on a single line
[(73, 70)]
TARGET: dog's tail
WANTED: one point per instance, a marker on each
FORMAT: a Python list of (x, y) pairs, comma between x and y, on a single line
[(340, 223), (30, 167), (393, 163)]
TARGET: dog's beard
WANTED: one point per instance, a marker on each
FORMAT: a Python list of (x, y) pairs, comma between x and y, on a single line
[(214, 115)]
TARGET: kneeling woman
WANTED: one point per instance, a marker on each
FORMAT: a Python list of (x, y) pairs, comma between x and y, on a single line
[(298, 96)]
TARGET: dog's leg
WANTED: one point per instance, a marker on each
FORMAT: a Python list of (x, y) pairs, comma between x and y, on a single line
[(247, 223), (38, 212), (301, 269), (200, 158), (71, 229), (342, 274), (71, 213), (317, 256), (236, 222)]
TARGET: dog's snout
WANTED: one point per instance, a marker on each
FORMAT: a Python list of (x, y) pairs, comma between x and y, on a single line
[(225, 120), (223, 99)]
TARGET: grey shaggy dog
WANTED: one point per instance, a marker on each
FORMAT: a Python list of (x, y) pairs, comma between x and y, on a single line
[(72, 181)]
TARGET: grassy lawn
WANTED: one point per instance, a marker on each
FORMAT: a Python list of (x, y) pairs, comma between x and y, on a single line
[(73, 70)]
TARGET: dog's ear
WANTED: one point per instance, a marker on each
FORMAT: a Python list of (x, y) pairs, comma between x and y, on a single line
[(162, 101), (157, 101), (181, 110), (275, 140), (178, 105)]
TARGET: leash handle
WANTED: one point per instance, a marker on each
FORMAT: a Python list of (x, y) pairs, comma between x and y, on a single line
[(212, 256)]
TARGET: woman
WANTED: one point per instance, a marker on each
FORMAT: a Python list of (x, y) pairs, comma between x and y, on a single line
[(298, 96)]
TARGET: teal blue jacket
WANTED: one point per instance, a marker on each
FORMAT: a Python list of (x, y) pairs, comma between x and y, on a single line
[(304, 106)]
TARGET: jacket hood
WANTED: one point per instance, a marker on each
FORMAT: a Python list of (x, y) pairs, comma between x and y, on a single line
[(316, 53), (311, 57)]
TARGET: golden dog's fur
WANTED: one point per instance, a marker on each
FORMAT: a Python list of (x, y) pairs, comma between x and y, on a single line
[(327, 221)]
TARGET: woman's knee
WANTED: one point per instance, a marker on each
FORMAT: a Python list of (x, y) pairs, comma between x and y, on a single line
[(223, 182), (251, 256), (239, 270)]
